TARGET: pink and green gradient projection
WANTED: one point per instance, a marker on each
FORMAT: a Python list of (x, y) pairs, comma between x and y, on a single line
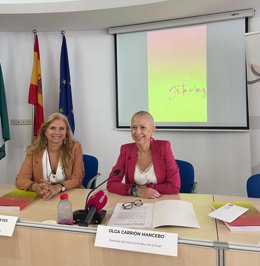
[(177, 74)]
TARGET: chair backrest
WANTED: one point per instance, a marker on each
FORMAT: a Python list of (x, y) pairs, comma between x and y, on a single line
[(187, 176), (253, 186), (91, 170)]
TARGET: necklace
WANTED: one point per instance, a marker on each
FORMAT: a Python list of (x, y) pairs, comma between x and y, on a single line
[(59, 175), (50, 176), (49, 160)]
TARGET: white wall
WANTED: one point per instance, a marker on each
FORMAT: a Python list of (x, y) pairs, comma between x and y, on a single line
[(221, 159), (253, 56)]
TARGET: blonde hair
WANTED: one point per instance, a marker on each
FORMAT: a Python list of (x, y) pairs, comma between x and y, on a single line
[(41, 141)]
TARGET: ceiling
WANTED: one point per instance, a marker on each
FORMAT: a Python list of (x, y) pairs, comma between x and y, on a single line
[(102, 14)]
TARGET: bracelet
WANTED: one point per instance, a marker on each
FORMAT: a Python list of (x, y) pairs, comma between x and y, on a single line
[(134, 189), (63, 188)]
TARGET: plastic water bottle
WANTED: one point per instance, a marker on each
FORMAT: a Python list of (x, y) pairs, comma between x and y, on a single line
[(65, 215)]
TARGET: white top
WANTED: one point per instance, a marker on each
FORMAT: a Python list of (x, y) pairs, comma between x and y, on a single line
[(59, 177), (145, 177)]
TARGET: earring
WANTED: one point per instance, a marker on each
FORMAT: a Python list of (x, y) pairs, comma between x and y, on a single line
[(64, 141), (45, 140)]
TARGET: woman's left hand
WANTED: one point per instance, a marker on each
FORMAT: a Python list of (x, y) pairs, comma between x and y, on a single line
[(52, 191), (148, 193)]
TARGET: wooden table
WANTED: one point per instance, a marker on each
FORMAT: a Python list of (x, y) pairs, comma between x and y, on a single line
[(37, 243), (242, 248)]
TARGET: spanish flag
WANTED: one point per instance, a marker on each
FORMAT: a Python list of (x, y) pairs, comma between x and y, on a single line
[(35, 91)]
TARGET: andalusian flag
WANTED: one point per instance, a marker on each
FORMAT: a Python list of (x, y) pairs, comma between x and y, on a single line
[(65, 106), (35, 91), (4, 124)]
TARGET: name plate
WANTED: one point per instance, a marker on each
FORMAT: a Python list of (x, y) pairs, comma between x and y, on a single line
[(7, 225), (154, 242)]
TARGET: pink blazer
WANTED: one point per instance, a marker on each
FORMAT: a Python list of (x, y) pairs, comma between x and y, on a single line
[(31, 169), (165, 167)]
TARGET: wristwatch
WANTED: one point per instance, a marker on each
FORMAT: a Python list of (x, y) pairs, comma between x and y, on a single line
[(134, 190), (62, 188)]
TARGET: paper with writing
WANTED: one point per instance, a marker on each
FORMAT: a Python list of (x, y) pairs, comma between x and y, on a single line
[(152, 215)]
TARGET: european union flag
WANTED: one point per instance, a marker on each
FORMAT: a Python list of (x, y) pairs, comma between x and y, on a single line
[(65, 105)]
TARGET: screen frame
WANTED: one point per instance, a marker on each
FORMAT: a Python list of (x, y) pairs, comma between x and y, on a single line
[(184, 128)]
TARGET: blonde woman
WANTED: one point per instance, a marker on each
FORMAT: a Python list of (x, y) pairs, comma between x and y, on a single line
[(54, 162)]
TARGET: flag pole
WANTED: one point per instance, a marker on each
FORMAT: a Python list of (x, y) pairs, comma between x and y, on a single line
[(35, 96), (32, 133), (65, 101)]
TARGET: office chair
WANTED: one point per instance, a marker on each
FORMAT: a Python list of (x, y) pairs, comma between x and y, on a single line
[(253, 186), (187, 175), (91, 171)]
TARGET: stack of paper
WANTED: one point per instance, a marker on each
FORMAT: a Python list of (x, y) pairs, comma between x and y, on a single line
[(247, 219)]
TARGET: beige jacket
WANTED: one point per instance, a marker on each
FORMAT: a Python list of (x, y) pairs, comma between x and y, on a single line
[(31, 170)]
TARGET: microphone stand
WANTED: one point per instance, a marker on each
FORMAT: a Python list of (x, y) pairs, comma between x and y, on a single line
[(79, 216)]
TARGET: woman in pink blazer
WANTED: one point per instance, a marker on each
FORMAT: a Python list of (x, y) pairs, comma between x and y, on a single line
[(148, 165)]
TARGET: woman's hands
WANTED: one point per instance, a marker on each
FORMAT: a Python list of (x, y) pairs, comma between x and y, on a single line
[(46, 190), (148, 193)]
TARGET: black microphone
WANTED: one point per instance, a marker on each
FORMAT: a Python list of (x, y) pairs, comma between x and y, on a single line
[(79, 216)]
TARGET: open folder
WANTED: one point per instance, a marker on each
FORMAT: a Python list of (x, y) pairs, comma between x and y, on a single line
[(152, 215)]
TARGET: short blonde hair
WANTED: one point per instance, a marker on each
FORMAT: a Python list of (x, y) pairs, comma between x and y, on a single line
[(143, 113)]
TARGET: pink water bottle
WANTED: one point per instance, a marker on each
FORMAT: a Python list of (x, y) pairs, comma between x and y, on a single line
[(65, 215)]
